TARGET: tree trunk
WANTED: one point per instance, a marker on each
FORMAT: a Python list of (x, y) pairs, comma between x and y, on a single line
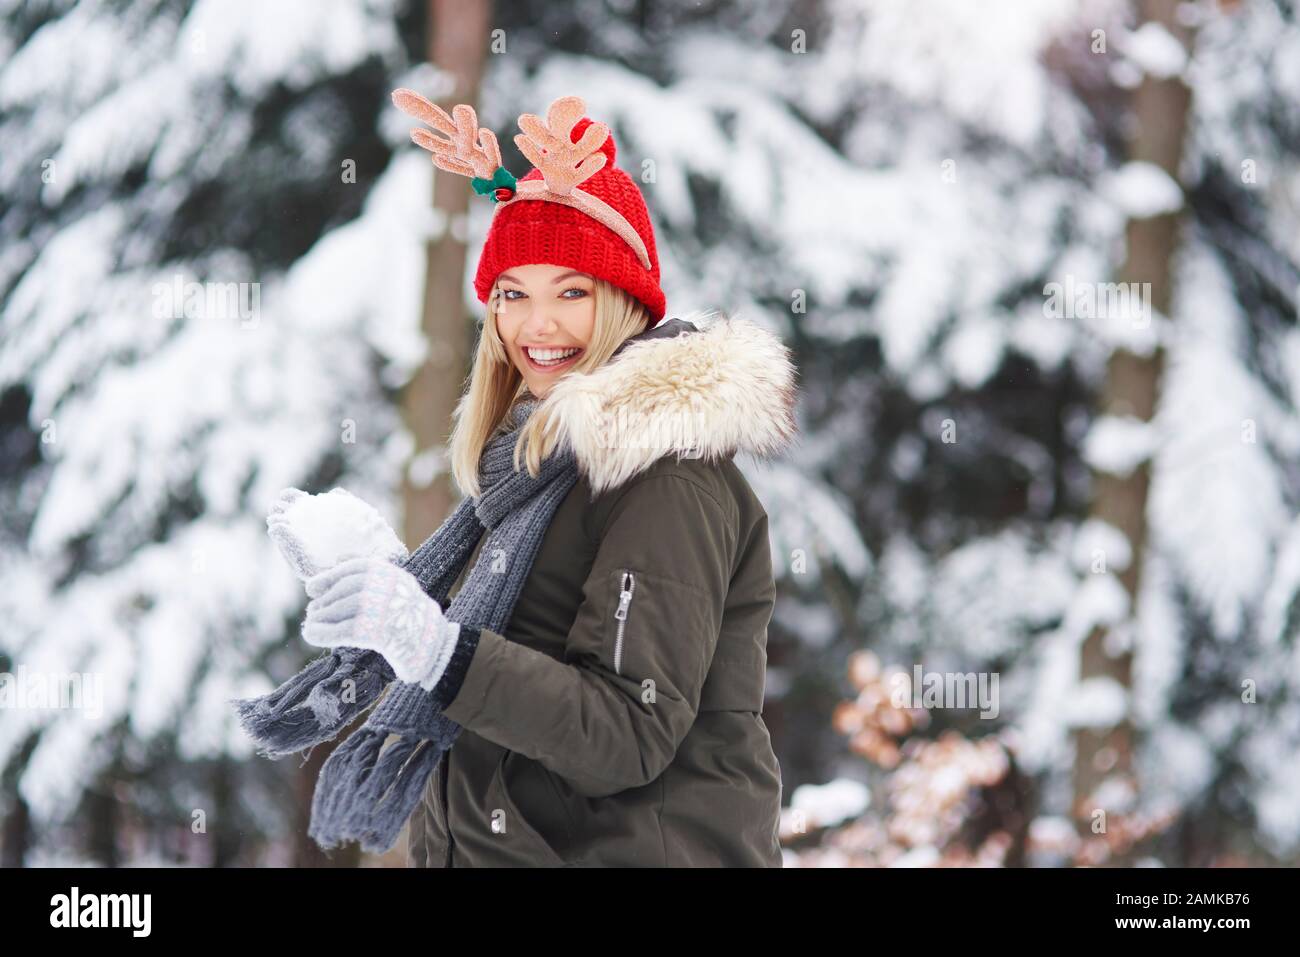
[(225, 803), (102, 819), (457, 43), (17, 835), (1160, 107), (306, 852)]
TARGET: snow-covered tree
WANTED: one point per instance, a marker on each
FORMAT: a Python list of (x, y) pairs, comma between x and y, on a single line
[(208, 291), (968, 469)]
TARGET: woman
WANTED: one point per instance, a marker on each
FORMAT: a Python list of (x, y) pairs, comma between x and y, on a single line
[(616, 719)]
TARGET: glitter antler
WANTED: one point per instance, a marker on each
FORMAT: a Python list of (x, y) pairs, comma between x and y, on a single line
[(471, 150), (550, 147)]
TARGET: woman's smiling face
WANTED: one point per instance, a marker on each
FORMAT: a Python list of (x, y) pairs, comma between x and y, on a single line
[(545, 317)]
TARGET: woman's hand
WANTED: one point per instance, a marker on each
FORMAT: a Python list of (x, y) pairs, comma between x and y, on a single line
[(374, 604), (316, 532)]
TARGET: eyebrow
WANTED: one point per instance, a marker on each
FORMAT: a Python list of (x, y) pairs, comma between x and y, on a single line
[(572, 272)]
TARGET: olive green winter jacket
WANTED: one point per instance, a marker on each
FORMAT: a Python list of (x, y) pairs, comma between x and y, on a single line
[(617, 722)]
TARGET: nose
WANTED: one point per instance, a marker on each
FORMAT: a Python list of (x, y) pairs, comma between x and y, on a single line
[(539, 324)]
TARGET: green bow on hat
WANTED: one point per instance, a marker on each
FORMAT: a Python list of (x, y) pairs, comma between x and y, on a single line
[(501, 179)]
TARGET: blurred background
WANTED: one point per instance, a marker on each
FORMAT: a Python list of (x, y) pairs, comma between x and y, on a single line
[(1037, 553)]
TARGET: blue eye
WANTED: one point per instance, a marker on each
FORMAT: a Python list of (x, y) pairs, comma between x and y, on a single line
[(508, 293)]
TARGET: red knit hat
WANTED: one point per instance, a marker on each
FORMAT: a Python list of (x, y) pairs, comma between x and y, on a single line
[(602, 228)]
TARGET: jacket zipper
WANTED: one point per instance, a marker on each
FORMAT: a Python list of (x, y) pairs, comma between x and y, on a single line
[(446, 818), (627, 586)]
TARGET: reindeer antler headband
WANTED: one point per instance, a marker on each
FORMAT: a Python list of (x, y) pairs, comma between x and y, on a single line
[(471, 150)]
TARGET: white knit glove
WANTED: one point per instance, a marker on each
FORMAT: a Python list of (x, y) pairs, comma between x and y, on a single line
[(374, 604), (316, 532)]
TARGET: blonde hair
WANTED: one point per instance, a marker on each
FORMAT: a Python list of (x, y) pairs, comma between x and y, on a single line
[(495, 385)]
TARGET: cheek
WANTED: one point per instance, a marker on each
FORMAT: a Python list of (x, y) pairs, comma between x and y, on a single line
[(586, 323), (507, 328)]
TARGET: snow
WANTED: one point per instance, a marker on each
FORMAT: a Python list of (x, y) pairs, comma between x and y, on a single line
[(1118, 444), (1097, 702), (825, 805), (427, 466), (257, 44), (1141, 190), (974, 351), (988, 620), (947, 50), (923, 856), (1094, 538), (815, 522), (1182, 762), (1216, 502), (1052, 830), (1275, 612), (1276, 805), (1157, 51), (384, 246)]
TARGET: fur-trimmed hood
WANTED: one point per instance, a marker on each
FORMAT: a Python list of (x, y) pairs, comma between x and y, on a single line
[(705, 386)]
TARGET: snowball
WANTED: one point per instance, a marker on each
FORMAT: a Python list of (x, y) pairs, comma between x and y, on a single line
[(336, 526)]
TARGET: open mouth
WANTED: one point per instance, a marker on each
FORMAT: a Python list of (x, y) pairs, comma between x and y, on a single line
[(548, 360)]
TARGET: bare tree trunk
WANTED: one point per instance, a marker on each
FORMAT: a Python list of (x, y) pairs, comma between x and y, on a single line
[(224, 803), (457, 43), (17, 834), (103, 819), (306, 852), (1104, 755)]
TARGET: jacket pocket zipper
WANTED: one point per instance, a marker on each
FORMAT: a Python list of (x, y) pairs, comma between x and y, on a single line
[(446, 816), (627, 586)]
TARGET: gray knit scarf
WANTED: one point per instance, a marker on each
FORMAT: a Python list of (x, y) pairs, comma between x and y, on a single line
[(365, 792)]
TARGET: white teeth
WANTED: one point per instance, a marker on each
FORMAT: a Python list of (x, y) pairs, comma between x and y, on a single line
[(550, 356)]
